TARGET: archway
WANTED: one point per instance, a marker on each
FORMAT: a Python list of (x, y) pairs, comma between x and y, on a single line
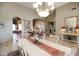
[(17, 25)]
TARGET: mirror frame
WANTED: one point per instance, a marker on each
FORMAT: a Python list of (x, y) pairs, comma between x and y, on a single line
[(71, 17)]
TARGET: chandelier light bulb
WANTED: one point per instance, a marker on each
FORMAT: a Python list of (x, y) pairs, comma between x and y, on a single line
[(35, 5), (52, 7), (47, 9), (37, 10), (39, 3), (50, 3)]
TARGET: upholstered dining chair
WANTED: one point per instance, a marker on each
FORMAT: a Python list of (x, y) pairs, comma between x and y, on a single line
[(19, 52), (22, 50)]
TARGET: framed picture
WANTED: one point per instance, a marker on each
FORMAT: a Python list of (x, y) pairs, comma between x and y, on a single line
[(27, 25), (71, 21)]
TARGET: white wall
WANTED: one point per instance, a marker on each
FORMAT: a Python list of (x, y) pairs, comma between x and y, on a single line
[(7, 12), (63, 12)]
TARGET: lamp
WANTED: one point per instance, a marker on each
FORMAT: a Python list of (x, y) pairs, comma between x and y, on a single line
[(43, 8), (63, 29), (77, 28)]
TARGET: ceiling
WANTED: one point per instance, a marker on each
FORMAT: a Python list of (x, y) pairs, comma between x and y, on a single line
[(30, 4)]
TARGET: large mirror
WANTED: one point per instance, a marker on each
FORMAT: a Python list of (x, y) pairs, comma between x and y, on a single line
[(71, 22)]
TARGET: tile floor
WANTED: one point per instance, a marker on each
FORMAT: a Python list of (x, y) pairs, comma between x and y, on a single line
[(8, 47)]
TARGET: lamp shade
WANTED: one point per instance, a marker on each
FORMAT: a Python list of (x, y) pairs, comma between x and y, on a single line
[(77, 27), (63, 27)]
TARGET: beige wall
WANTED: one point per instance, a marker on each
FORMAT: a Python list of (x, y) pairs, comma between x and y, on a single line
[(7, 12), (63, 12)]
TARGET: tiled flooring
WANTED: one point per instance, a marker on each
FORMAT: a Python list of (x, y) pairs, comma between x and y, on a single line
[(4, 48), (8, 47)]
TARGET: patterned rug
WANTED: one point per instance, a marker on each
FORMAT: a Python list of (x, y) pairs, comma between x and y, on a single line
[(52, 51)]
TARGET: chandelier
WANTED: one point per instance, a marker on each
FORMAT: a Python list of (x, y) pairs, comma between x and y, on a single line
[(43, 8)]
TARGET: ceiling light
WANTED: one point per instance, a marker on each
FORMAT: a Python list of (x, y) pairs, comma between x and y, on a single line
[(43, 13), (43, 8)]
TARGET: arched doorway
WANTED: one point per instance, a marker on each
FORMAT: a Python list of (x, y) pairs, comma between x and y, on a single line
[(17, 25)]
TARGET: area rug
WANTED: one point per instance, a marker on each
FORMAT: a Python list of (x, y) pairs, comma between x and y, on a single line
[(52, 51)]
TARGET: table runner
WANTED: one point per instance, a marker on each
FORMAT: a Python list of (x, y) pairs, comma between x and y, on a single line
[(52, 51)]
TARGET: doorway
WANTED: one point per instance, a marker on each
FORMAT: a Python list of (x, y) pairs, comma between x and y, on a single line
[(17, 25), (50, 28)]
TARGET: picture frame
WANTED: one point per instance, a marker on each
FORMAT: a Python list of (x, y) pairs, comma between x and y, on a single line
[(71, 21), (27, 25)]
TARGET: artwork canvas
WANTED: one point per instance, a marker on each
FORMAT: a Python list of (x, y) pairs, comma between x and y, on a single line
[(27, 25), (71, 21)]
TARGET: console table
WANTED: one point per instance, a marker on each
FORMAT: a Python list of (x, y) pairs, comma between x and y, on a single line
[(72, 37)]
